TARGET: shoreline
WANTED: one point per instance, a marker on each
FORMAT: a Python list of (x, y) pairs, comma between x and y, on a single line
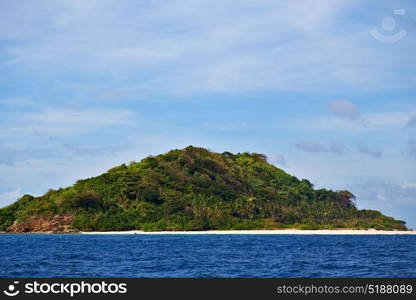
[(236, 232), (258, 232)]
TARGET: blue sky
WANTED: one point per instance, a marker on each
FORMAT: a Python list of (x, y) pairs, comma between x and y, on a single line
[(86, 85)]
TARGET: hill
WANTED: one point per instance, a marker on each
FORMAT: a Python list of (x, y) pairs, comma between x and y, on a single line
[(191, 189)]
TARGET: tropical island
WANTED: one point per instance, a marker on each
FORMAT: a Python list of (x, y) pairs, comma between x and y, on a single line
[(192, 189)]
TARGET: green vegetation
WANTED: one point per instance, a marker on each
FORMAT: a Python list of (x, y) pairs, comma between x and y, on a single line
[(195, 189)]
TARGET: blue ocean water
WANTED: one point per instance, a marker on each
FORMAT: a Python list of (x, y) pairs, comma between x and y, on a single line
[(75, 255)]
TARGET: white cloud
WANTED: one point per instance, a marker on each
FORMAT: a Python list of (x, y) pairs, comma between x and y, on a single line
[(54, 122), (343, 109), (278, 159), (398, 200), (311, 146), (411, 185), (369, 122), (24, 102), (371, 151), (338, 148), (60, 133), (228, 126), (88, 117), (411, 148), (394, 119), (10, 197), (412, 121), (189, 47)]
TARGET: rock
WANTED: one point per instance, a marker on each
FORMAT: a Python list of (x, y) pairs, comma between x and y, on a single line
[(53, 224)]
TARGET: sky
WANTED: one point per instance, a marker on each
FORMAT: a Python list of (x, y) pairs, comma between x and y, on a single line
[(325, 88)]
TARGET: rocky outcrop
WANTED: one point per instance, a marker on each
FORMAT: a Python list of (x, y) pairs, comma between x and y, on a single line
[(48, 224)]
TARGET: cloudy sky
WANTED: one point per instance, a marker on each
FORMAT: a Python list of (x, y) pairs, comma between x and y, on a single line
[(325, 88)]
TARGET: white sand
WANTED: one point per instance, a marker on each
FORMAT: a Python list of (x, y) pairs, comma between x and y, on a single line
[(282, 231)]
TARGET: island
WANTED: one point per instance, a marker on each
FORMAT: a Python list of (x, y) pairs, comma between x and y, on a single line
[(192, 189)]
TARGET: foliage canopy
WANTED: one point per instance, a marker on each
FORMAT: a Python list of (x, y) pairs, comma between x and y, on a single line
[(196, 189)]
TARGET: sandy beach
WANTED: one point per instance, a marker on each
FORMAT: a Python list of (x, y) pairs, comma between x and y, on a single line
[(283, 231)]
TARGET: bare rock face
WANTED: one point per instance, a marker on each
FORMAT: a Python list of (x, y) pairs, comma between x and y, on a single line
[(48, 224)]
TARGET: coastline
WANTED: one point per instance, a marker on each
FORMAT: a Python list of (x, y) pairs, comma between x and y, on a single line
[(260, 232), (236, 232)]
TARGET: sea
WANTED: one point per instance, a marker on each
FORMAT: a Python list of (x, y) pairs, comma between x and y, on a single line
[(195, 256)]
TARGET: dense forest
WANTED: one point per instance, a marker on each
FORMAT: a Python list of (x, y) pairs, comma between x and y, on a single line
[(191, 189)]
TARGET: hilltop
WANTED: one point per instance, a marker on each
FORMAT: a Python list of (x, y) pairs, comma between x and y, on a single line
[(191, 189)]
